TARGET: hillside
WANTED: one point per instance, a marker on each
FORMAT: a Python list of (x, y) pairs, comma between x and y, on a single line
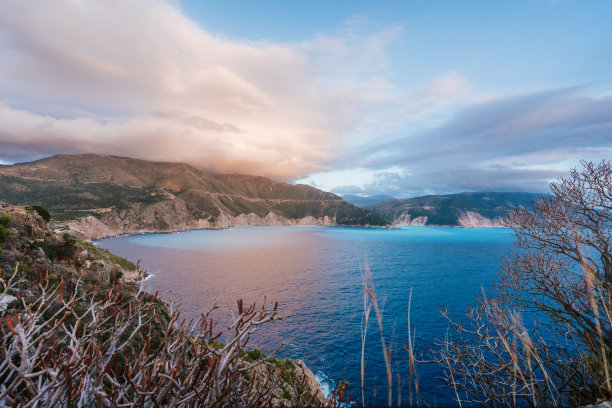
[(98, 196), (73, 315), (481, 209), (363, 202)]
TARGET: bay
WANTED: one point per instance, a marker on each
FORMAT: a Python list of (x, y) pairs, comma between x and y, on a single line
[(315, 273)]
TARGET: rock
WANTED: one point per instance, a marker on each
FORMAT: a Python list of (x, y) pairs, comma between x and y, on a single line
[(473, 219), (5, 301), (311, 380), (83, 256), (406, 220), (173, 217), (8, 256), (604, 404)]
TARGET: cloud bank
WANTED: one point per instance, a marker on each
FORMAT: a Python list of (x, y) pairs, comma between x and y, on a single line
[(138, 78), (519, 143)]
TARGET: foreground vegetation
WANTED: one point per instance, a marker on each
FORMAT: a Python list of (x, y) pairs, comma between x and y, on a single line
[(545, 337), (78, 330), (75, 333)]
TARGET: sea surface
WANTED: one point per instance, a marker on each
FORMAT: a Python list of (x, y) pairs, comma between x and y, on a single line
[(315, 273)]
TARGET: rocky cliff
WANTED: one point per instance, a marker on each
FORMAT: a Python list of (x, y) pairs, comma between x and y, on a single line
[(99, 196), (67, 303), (482, 209)]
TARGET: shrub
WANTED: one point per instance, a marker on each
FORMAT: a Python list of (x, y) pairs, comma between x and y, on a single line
[(84, 336), (106, 255), (67, 248), (5, 221), (49, 251), (40, 211), (253, 355), (564, 277)]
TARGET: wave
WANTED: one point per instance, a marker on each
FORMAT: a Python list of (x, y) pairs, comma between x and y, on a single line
[(326, 383)]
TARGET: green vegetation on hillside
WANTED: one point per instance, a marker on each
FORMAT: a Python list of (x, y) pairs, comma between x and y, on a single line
[(106, 255), (447, 209), (76, 186), (5, 221)]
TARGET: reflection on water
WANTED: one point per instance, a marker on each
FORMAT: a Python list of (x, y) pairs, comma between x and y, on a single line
[(314, 274)]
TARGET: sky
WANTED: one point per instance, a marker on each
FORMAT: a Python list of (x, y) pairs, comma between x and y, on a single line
[(404, 98)]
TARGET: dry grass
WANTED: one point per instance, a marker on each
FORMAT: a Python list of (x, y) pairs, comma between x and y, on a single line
[(371, 300)]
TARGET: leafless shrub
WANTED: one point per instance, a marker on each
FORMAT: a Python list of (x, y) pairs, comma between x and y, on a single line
[(492, 358), (78, 345), (564, 278)]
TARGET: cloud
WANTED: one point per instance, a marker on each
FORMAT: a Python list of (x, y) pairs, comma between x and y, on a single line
[(519, 143), (138, 78)]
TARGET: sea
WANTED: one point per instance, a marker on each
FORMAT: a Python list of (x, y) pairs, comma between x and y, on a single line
[(316, 274)]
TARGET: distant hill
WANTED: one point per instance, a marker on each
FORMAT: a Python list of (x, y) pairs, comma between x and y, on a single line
[(481, 209), (362, 202), (100, 196)]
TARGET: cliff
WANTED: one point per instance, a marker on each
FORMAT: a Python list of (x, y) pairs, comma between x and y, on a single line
[(481, 209), (99, 196), (73, 314)]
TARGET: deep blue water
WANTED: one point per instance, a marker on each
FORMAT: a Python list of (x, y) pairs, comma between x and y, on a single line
[(315, 275)]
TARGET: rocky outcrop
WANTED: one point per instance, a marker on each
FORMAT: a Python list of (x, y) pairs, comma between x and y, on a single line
[(482, 209), (472, 219), (90, 227), (466, 219), (39, 251), (311, 380), (404, 220)]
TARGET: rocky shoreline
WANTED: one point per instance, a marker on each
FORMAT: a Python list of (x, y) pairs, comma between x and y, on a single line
[(171, 217), (29, 248)]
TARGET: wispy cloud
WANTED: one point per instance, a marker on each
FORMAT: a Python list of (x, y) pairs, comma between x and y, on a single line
[(520, 142), (140, 79)]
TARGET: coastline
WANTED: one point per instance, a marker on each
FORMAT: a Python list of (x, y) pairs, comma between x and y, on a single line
[(91, 228)]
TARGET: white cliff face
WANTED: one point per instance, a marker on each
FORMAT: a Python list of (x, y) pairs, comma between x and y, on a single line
[(128, 223), (472, 219), (467, 219), (404, 220)]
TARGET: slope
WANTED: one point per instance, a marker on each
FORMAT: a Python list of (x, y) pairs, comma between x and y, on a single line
[(464, 209), (108, 195)]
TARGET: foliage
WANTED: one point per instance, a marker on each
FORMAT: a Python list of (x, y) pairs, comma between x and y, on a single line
[(253, 355), (40, 211), (49, 251), (5, 221), (106, 255), (67, 247)]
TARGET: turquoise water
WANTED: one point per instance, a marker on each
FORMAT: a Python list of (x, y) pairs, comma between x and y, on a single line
[(315, 275)]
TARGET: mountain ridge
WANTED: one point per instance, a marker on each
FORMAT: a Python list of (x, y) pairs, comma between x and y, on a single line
[(100, 196), (466, 209), (363, 202)]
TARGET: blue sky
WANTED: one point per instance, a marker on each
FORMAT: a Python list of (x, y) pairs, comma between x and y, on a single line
[(502, 46), (397, 97)]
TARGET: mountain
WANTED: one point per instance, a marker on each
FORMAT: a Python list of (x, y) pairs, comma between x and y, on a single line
[(363, 202), (98, 196), (481, 209)]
